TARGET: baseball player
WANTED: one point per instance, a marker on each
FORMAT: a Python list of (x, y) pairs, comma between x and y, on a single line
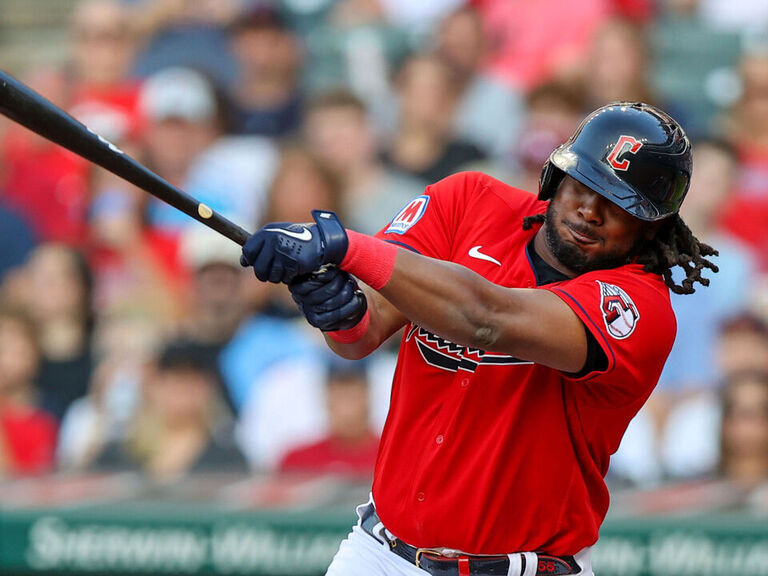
[(535, 329)]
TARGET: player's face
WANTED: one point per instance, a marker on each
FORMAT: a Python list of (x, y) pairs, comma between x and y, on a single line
[(585, 231)]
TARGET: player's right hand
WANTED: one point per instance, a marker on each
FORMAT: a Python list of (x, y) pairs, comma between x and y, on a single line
[(283, 251), (330, 300)]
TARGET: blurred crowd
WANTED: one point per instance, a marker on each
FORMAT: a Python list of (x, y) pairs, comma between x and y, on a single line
[(130, 337)]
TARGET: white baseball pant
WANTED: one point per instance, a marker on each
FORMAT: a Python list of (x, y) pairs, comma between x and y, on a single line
[(362, 555)]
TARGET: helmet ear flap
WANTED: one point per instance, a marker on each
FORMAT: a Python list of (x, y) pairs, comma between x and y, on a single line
[(550, 179)]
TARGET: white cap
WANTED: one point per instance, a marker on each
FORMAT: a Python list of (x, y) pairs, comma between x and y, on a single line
[(201, 247), (178, 93)]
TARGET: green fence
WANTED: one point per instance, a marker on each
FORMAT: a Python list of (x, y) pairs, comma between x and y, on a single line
[(242, 534), (169, 542)]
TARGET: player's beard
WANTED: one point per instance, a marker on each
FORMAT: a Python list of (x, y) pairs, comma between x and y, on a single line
[(575, 259)]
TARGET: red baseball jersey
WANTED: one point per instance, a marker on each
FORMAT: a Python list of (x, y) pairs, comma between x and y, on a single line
[(490, 454)]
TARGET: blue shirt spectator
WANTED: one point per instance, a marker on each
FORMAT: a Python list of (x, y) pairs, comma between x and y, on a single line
[(692, 363), (18, 240), (259, 343)]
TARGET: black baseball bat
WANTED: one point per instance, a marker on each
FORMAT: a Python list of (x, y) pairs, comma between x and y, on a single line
[(25, 106)]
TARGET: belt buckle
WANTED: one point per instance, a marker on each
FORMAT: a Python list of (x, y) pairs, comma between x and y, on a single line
[(419, 552), (441, 552)]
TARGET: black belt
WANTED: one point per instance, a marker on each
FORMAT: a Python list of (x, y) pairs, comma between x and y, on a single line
[(438, 564)]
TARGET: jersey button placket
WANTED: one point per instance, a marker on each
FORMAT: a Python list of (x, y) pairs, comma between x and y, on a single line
[(465, 382), (439, 439), (420, 496)]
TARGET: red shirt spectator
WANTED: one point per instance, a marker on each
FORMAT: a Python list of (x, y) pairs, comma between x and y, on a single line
[(532, 42), (27, 434), (46, 185), (28, 438), (350, 447), (55, 199), (45, 182), (747, 211), (334, 456), (747, 125)]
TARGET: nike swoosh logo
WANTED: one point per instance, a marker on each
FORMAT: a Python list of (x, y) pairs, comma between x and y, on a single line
[(305, 235), (475, 253)]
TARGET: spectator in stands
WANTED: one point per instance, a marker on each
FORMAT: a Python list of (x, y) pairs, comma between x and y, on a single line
[(743, 344), (674, 433), (693, 66), (341, 135), (536, 42), (747, 212), (277, 392), (694, 372), (553, 113), (235, 174), (134, 267), (18, 239), (692, 365), (218, 305), (53, 200), (602, 80), (424, 145), (59, 298), (183, 119), (186, 33), (682, 441), (691, 444), (358, 47), (744, 431), (181, 426), (285, 407), (103, 94), (489, 112), (93, 86), (27, 434), (125, 342), (274, 326), (302, 183), (219, 300), (349, 448), (267, 95), (185, 143)]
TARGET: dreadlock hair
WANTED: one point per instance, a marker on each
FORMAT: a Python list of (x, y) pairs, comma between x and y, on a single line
[(529, 221), (673, 245)]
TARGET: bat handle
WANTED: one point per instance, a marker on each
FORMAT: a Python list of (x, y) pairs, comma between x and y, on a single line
[(223, 226)]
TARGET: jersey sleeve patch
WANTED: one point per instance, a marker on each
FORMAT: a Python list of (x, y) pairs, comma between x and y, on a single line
[(408, 216), (619, 312)]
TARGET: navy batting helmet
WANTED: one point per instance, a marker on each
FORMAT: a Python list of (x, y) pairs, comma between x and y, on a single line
[(633, 154)]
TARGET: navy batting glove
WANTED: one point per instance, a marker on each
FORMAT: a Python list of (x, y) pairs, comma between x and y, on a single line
[(330, 300), (281, 251)]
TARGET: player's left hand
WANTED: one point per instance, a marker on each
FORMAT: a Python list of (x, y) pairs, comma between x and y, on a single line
[(330, 300), (281, 251)]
